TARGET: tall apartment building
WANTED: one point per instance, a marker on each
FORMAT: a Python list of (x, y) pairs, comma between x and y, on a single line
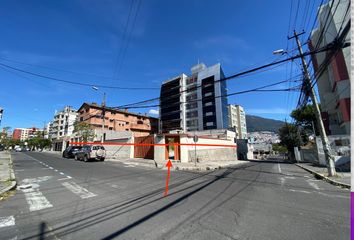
[(195, 102), (26, 133), (334, 83), (237, 120), (117, 120), (63, 123)]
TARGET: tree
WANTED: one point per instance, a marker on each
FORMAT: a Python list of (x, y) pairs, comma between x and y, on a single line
[(84, 130), (289, 137), (305, 117), (38, 142), (279, 148)]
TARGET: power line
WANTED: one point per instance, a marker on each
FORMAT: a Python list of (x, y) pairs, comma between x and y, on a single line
[(325, 48), (129, 37), (258, 89), (72, 82), (123, 40), (55, 69)]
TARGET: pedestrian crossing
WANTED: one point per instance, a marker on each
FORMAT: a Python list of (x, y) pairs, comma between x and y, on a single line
[(35, 196), (38, 195)]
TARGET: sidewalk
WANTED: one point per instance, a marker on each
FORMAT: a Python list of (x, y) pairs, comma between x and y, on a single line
[(203, 166), (7, 176), (134, 161), (342, 179)]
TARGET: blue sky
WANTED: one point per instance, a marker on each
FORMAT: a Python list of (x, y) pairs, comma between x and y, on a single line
[(90, 42)]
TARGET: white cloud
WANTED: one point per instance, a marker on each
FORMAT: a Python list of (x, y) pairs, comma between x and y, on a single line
[(154, 112)]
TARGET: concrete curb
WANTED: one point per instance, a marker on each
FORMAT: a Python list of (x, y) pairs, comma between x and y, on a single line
[(9, 188), (13, 184), (327, 179), (202, 168)]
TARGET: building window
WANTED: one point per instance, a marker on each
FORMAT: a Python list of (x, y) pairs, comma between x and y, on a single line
[(209, 114), (192, 105), (208, 94), (81, 119), (209, 124), (208, 104), (192, 114), (110, 128)]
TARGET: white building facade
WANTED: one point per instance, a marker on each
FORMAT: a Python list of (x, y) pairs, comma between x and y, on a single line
[(196, 102), (237, 120), (62, 127)]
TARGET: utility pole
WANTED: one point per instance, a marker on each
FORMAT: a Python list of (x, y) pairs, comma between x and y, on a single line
[(103, 116), (325, 142)]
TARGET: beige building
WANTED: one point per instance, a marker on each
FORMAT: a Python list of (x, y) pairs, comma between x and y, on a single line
[(117, 120), (237, 120)]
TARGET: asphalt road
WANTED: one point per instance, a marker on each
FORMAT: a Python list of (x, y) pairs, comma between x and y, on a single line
[(65, 199)]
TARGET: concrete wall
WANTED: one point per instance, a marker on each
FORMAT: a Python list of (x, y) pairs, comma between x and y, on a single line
[(117, 151), (203, 153), (159, 151), (207, 153), (340, 146)]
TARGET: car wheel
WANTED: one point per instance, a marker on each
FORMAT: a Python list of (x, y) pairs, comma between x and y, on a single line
[(85, 158), (102, 159)]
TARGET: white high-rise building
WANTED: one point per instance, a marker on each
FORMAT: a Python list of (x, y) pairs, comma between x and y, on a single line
[(196, 102), (237, 121), (62, 127)]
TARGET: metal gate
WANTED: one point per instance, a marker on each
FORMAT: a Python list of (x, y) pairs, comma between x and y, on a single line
[(144, 151)]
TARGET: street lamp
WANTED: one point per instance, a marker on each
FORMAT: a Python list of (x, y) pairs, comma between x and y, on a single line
[(103, 112), (279, 52)]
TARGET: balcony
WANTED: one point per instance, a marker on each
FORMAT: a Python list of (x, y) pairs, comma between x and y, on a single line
[(135, 126)]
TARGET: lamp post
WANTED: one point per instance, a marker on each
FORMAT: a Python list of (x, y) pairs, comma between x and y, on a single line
[(103, 112)]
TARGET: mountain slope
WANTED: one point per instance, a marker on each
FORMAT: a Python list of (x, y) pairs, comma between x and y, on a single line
[(256, 124)]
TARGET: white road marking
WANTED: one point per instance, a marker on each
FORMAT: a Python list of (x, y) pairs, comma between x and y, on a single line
[(336, 196), (34, 197), (61, 179), (75, 188), (290, 177), (56, 170), (7, 221), (313, 184), (36, 200), (279, 169), (68, 176), (50, 167), (20, 170), (293, 190), (61, 173), (282, 180)]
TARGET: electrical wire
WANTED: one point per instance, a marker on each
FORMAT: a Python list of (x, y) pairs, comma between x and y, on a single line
[(72, 82), (325, 48)]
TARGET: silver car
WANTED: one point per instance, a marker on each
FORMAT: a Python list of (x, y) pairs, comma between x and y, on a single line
[(87, 153)]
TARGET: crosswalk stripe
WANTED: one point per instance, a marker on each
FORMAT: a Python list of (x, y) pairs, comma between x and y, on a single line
[(75, 188), (36, 200), (7, 221)]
